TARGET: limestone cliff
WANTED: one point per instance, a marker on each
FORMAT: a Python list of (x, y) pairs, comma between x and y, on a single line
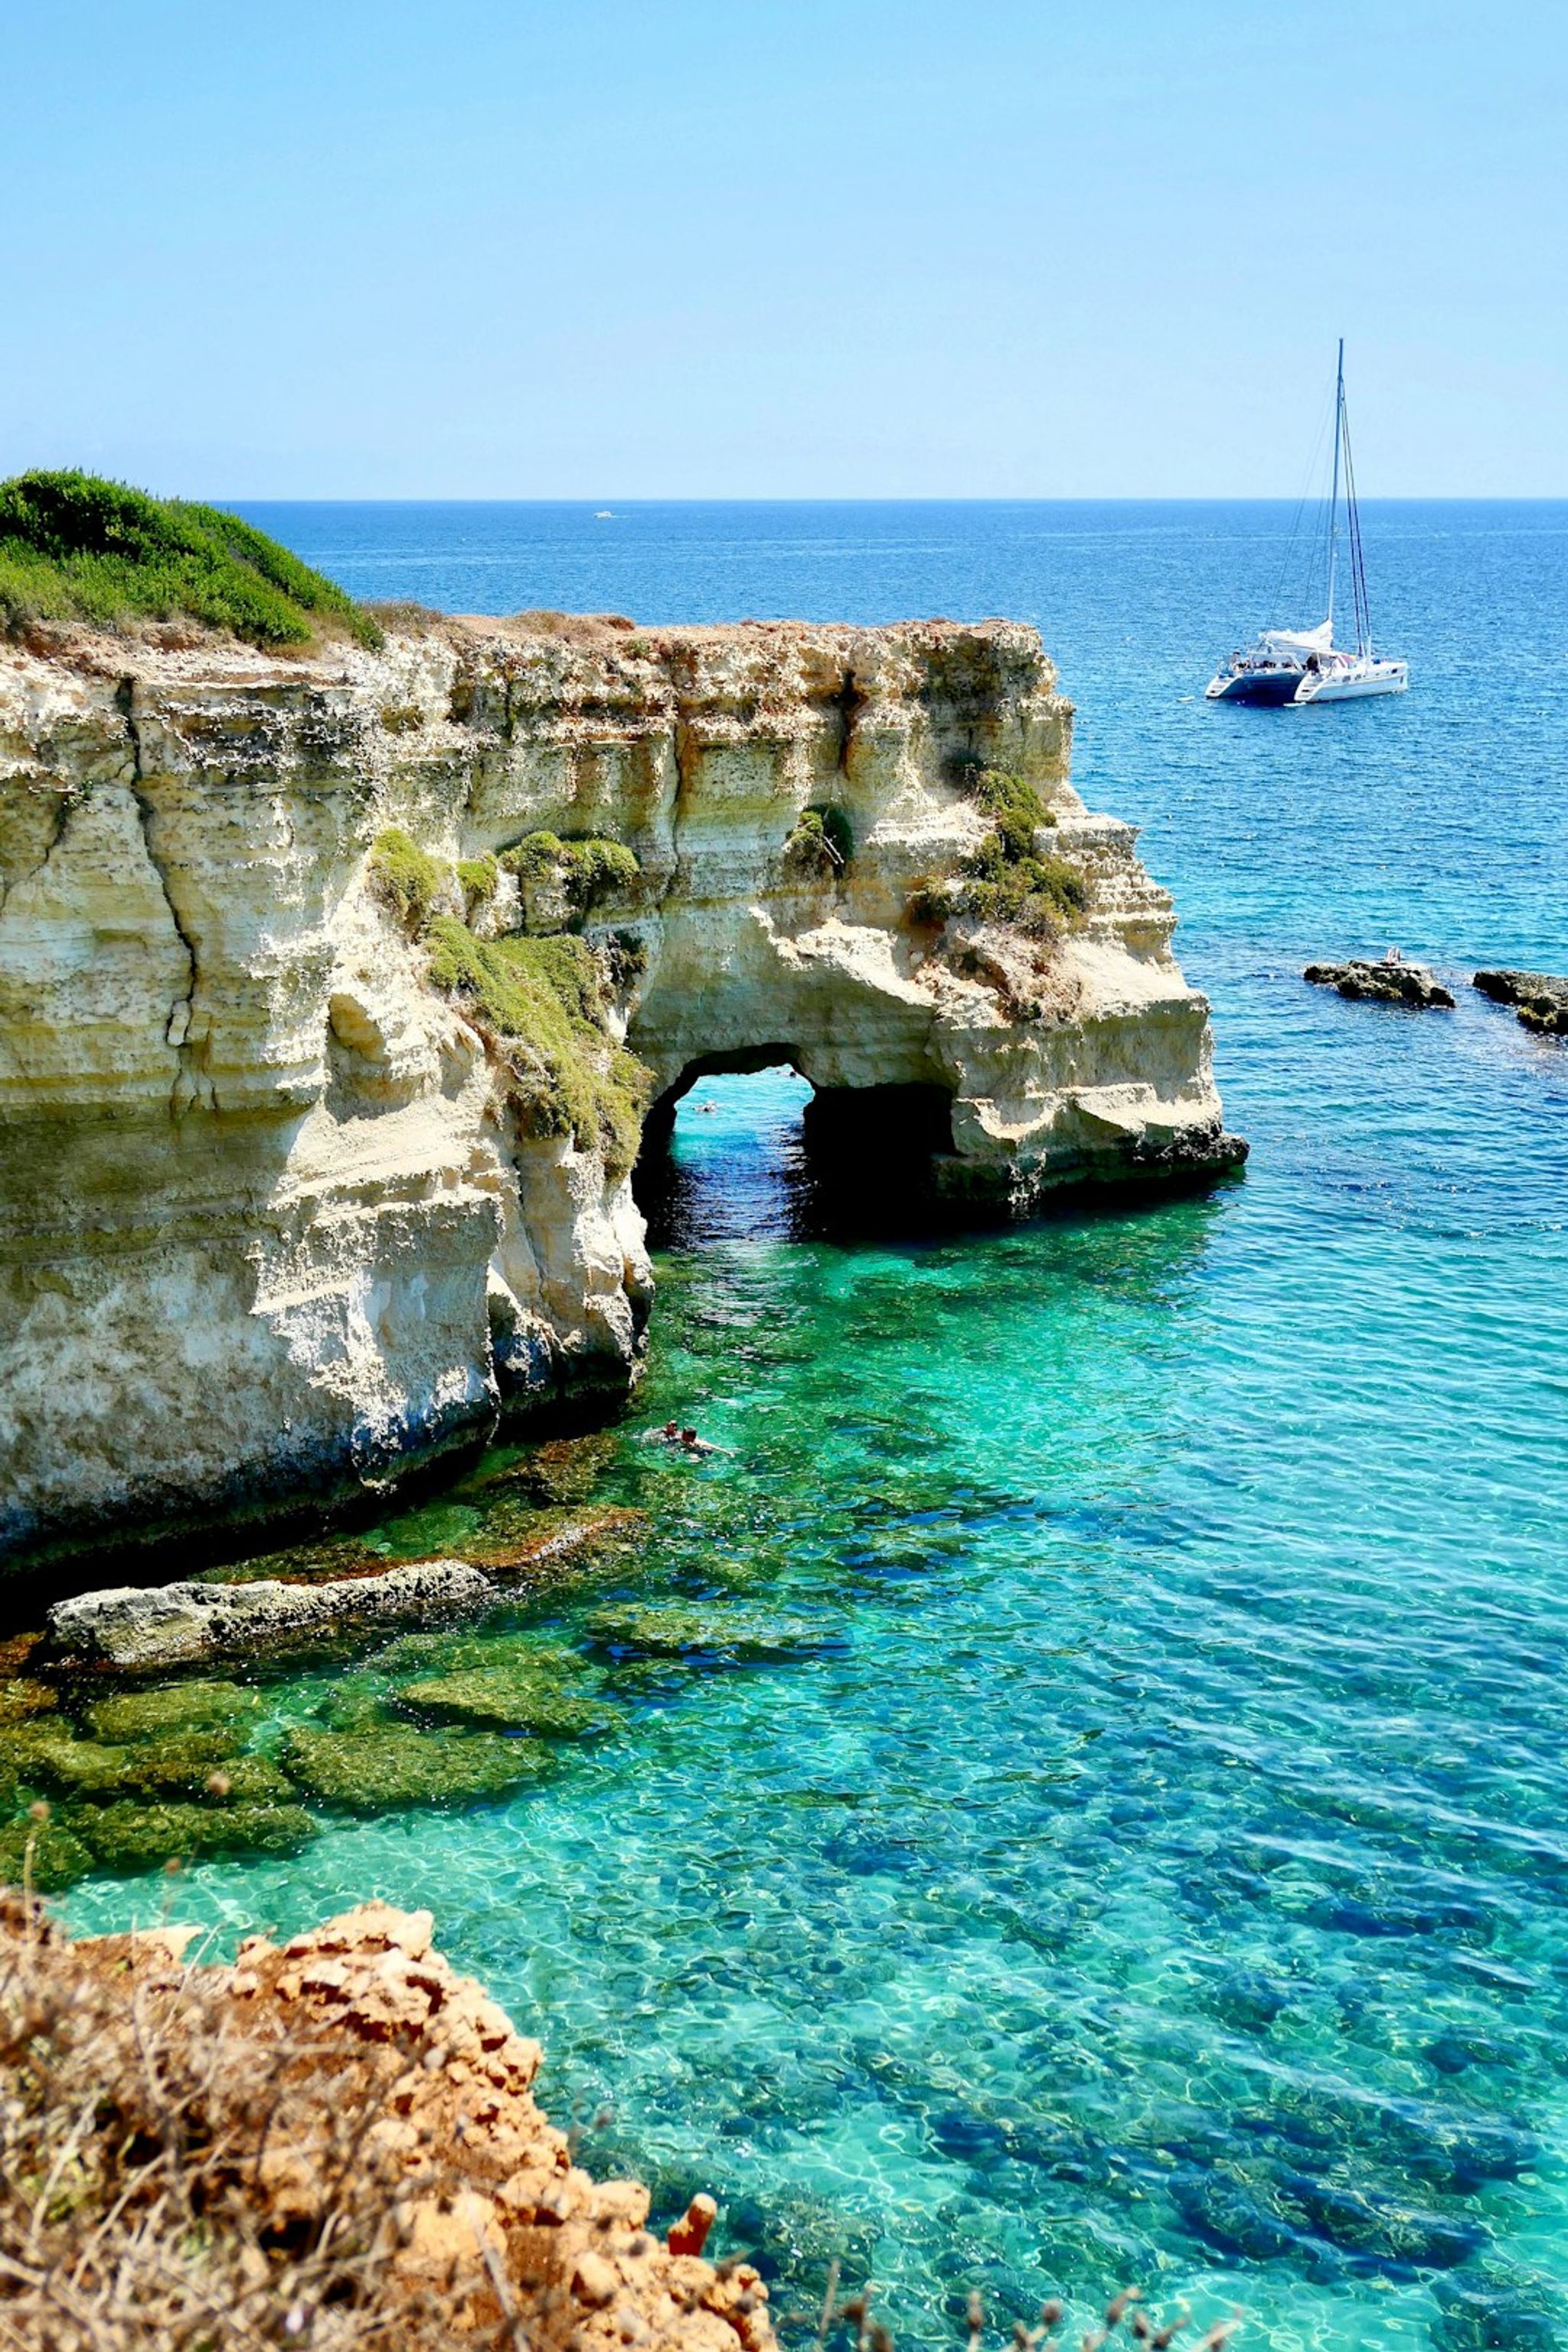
[(274, 1219)]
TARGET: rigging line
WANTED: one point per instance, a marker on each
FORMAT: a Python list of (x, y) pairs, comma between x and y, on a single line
[(1358, 560), (1287, 562)]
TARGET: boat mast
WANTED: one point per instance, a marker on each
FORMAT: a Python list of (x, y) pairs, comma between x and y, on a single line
[(1334, 491)]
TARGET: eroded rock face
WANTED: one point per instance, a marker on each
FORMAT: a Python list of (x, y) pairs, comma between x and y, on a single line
[(268, 1227), (346, 2093)]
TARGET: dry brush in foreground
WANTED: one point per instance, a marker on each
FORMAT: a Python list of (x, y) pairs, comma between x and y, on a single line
[(332, 2145)]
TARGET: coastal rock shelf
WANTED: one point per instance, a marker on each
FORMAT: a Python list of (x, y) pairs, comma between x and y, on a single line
[(292, 1195), (1539, 998), (1410, 985)]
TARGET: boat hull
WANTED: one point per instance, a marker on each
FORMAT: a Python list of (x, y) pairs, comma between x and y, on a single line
[(1388, 677), (1271, 687)]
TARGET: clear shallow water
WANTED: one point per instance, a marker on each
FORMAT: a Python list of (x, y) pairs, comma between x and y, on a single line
[(1158, 1871)]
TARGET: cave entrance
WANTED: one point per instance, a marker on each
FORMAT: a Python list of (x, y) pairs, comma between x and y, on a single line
[(744, 1147)]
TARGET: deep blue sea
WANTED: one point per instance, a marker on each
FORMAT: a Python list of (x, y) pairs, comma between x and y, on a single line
[(1153, 1866)]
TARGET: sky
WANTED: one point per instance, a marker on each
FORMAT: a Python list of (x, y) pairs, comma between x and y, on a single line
[(783, 249)]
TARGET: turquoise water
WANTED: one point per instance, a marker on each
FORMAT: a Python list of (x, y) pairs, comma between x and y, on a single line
[(1150, 1865)]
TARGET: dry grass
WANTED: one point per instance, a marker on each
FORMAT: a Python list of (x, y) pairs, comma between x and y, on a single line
[(147, 2126)]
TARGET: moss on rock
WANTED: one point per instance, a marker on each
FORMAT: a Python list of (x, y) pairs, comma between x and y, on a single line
[(94, 1768), (406, 879), (172, 1709), (126, 1836), (23, 1697), (1009, 879), (821, 842), (376, 1768), (519, 1696), (540, 1002), (59, 1859), (676, 1630), (562, 881), (477, 877)]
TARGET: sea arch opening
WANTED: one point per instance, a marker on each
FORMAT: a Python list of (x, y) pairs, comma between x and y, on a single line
[(746, 1145)]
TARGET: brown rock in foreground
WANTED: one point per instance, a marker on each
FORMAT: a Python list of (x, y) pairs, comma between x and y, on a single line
[(333, 2142)]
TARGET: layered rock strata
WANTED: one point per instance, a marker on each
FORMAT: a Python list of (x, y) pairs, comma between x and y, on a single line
[(271, 1223)]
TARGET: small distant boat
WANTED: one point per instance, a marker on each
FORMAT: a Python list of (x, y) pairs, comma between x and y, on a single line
[(1300, 665), (605, 514)]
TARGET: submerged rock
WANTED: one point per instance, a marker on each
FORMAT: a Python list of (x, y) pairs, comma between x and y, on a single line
[(170, 1710), (57, 1860), (129, 1837), (522, 1697), (1540, 998), (1410, 985), (376, 1768), (676, 1630), (169, 1625)]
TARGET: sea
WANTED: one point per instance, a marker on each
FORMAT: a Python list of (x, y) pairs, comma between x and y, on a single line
[(1142, 1860)]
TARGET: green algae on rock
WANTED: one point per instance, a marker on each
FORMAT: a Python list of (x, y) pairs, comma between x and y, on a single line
[(93, 1769), (126, 1837), (509, 1699), (56, 1861), (677, 1630), (377, 1767), (172, 1709)]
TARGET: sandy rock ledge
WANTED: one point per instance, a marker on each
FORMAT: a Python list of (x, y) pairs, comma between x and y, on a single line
[(347, 2090)]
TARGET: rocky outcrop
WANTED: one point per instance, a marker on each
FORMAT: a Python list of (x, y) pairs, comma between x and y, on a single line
[(277, 1216), (333, 2139), (1410, 985), (1539, 998), (171, 1624)]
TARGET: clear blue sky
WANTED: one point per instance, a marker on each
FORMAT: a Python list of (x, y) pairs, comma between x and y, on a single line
[(782, 248)]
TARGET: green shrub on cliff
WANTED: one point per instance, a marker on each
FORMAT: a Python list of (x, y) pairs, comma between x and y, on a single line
[(541, 1003), (76, 548), (821, 842), (405, 879), (1009, 879), (562, 881)]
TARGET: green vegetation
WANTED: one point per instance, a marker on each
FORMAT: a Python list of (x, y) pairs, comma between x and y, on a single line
[(580, 872), (377, 1767), (76, 548), (1009, 879), (171, 1710), (402, 717), (517, 1694), (129, 1837), (477, 878), (542, 1001), (821, 842), (406, 879)]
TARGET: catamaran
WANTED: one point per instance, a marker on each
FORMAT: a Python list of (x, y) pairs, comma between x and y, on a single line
[(1299, 666)]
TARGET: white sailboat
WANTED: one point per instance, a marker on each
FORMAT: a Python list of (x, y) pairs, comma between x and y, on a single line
[(1302, 666)]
